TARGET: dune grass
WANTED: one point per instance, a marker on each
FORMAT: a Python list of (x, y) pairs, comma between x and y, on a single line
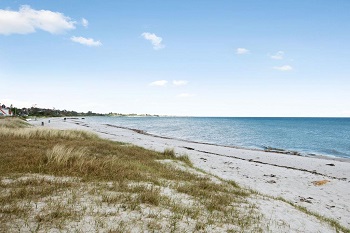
[(73, 180), (12, 123)]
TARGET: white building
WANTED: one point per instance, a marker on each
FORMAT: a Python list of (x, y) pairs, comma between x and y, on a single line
[(5, 111)]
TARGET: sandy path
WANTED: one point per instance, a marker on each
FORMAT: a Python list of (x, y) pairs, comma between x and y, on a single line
[(278, 175)]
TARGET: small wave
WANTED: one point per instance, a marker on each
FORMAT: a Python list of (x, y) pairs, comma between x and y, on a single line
[(335, 152)]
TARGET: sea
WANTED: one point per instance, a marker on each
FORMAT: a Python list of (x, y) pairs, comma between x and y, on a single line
[(304, 136)]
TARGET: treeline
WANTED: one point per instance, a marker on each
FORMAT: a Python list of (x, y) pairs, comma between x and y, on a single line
[(44, 112)]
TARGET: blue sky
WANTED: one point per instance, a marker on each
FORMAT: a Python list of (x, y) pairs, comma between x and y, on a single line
[(192, 58)]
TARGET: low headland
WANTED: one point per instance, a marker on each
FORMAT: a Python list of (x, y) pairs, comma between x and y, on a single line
[(69, 175)]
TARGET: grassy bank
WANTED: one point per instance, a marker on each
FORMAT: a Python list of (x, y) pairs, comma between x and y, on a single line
[(75, 181)]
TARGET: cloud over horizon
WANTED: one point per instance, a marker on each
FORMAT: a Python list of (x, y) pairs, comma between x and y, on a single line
[(241, 51), (86, 41), (27, 20), (154, 39), (283, 68), (159, 83)]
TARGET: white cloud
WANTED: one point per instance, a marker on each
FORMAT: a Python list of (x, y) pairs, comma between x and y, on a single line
[(278, 56), (185, 95), (155, 40), (86, 41), (28, 20), (85, 22), (283, 68), (180, 82), (159, 83), (242, 51)]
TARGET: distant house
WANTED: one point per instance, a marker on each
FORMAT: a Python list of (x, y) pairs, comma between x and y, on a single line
[(5, 111)]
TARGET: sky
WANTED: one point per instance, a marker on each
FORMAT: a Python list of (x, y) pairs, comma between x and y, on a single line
[(239, 58)]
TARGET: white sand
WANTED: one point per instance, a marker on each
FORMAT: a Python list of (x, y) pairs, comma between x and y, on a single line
[(278, 175)]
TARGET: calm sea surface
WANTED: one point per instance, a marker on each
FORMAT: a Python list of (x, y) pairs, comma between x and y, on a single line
[(321, 136)]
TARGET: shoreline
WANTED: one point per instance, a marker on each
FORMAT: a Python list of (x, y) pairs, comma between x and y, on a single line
[(268, 150), (293, 178)]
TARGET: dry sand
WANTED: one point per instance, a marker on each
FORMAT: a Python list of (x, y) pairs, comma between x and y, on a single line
[(321, 185)]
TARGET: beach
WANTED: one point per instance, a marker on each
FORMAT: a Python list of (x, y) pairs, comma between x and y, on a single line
[(319, 184)]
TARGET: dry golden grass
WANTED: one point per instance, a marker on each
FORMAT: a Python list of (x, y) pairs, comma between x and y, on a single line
[(12, 123), (27, 133), (66, 156)]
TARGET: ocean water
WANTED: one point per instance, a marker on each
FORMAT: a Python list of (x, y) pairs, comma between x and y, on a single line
[(320, 136)]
